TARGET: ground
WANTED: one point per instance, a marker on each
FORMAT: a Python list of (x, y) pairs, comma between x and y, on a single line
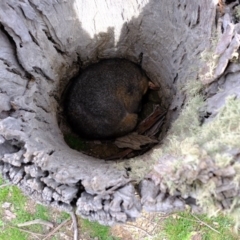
[(16, 210)]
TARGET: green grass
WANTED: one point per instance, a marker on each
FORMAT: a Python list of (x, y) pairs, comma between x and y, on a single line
[(12, 234), (14, 196), (10, 231), (184, 225), (97, 230), (42, 212), (62, 217), (180, 226)]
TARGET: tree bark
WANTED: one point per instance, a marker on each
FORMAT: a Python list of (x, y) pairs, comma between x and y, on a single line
[(178, 43)]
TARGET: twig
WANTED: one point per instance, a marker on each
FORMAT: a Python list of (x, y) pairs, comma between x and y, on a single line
[(199, 220), (191, 220), (205, 224), (130, 225), (75, 225), (56, 229), (5, 185), (26, 231), (36, 221)]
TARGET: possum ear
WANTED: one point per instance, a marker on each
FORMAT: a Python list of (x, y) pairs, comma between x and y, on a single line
[(153, 86), (143, 85)]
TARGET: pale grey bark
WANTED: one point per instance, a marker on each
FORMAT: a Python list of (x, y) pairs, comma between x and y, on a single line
[(43, 44)]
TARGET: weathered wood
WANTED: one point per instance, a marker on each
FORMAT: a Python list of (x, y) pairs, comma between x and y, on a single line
[(44, 43)]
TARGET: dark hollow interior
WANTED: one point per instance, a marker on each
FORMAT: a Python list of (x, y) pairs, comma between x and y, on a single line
[(128, 92)]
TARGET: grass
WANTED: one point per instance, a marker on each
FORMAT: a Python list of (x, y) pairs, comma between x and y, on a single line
[(96, 230), (184, 226), (11, 233), (8, 228), (42, 212), (14, 196), (23, 213), (177, 226), (62, 217)]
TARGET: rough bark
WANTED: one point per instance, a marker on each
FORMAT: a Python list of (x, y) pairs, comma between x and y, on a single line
[(43, 45)]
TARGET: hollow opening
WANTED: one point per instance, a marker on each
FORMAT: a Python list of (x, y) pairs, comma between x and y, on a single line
[(168, 53), (112, 110)]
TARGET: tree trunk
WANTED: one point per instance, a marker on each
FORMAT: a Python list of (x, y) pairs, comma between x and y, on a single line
[(187, 47)]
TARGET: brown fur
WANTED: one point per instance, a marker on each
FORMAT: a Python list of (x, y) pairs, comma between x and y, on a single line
[(104, 100)]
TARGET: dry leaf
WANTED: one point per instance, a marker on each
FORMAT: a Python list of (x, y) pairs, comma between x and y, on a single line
[(134, 141), (158, 115), (155, 128)]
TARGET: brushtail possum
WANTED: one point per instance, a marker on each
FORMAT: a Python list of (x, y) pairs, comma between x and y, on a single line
[(104, 100)]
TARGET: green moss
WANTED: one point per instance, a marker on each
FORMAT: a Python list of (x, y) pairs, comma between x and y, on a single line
[(188, 121), (189, 139), (191, 143), (224, 132), (237, 13)]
